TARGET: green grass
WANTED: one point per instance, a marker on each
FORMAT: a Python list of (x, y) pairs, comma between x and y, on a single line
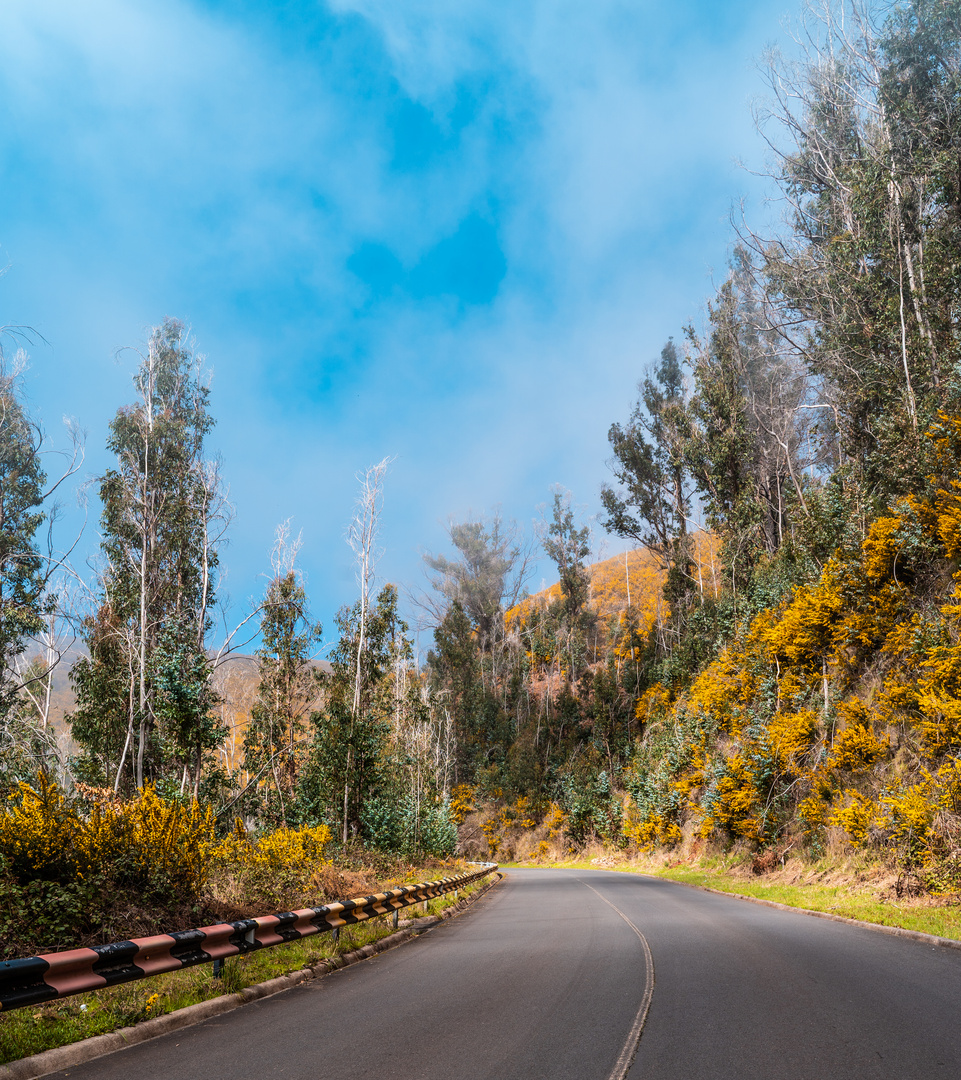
[(942, 919), (66, 1020)]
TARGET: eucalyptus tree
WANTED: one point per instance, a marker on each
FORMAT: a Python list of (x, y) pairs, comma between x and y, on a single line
[(865, 127), (162, 512), (349, 752), (22, 577), (749, 426), (455, 669), (487, 576), (570, 621), (33, 575), (652, 504), (567, 545), (287, 688)]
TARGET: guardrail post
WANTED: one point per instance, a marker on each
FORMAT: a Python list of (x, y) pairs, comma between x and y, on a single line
[(335, 933), (218, 968), (396, 919)]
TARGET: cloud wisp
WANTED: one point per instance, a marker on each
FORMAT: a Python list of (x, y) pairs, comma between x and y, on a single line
[(453, 233)]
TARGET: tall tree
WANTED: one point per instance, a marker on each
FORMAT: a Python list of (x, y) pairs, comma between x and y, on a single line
[(288, 685), (362, 537), (157, 588), (749, 424), (567, 546), (569, 621), (22, 577), (348, 754), (653, 505), (866, 129), (456, 673), (31, 575), (487, 577)]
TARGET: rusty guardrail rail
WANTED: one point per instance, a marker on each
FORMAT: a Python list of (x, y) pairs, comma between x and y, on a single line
[(54, 975)]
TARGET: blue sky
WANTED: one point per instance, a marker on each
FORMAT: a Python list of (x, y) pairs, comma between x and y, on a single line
[(453, 233)]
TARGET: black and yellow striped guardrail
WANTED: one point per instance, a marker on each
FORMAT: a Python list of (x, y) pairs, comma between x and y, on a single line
[(41, 978)]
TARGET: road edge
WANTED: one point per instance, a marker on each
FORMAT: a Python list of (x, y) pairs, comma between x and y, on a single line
[(78, 1053)]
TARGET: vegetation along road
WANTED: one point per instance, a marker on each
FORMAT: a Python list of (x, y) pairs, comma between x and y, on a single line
[(550, 975)]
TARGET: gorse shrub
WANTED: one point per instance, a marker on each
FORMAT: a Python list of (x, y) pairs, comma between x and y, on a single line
[(158, 849), (74, 868), (93, 867), (41, 835), (839, 709), (161, 848), (273, 870), (461, 803)]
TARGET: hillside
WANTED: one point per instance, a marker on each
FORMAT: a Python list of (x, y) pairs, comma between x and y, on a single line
[(832, 721), (634, 579)]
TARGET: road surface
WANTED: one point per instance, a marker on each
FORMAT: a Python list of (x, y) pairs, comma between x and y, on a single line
[(594, 975)]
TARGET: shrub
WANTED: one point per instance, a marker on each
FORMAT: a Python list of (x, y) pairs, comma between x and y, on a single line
[(158, 849), (67, 863), (273, 871), (408, 826)]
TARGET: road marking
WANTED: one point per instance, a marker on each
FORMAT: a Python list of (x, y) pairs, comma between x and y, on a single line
[(626, 1056)]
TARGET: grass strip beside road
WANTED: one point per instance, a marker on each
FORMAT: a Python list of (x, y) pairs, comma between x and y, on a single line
[(941, 918), (62, 1021)]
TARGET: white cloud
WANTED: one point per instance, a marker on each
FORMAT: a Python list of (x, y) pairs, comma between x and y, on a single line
[(163, 159)]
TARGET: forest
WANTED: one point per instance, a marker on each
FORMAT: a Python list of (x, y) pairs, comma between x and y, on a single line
[(774, 668)]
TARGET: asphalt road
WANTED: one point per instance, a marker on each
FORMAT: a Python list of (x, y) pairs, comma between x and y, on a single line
[(549, 976)]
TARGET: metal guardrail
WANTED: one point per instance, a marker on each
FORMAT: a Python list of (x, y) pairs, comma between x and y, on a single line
[(54, 975)]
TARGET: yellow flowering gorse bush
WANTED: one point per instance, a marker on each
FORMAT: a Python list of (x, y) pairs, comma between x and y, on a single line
[(269, 870), (143, 843)]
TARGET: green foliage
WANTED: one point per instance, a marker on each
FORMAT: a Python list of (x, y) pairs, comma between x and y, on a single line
[(455, 664), (183, 696), (402, 823), (348, 761), (101, 684), (143, 697), (273, 750), (872, 179), (591, 805), (649, 462), (22, 569), (567, 546), (488, 575), (49, 913), (748, 430)]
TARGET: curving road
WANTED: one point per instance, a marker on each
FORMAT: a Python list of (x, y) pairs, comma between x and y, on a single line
[(550, 975)]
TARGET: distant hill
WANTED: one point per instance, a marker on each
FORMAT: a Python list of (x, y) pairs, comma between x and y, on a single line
[(634, 579), (236, 680)]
